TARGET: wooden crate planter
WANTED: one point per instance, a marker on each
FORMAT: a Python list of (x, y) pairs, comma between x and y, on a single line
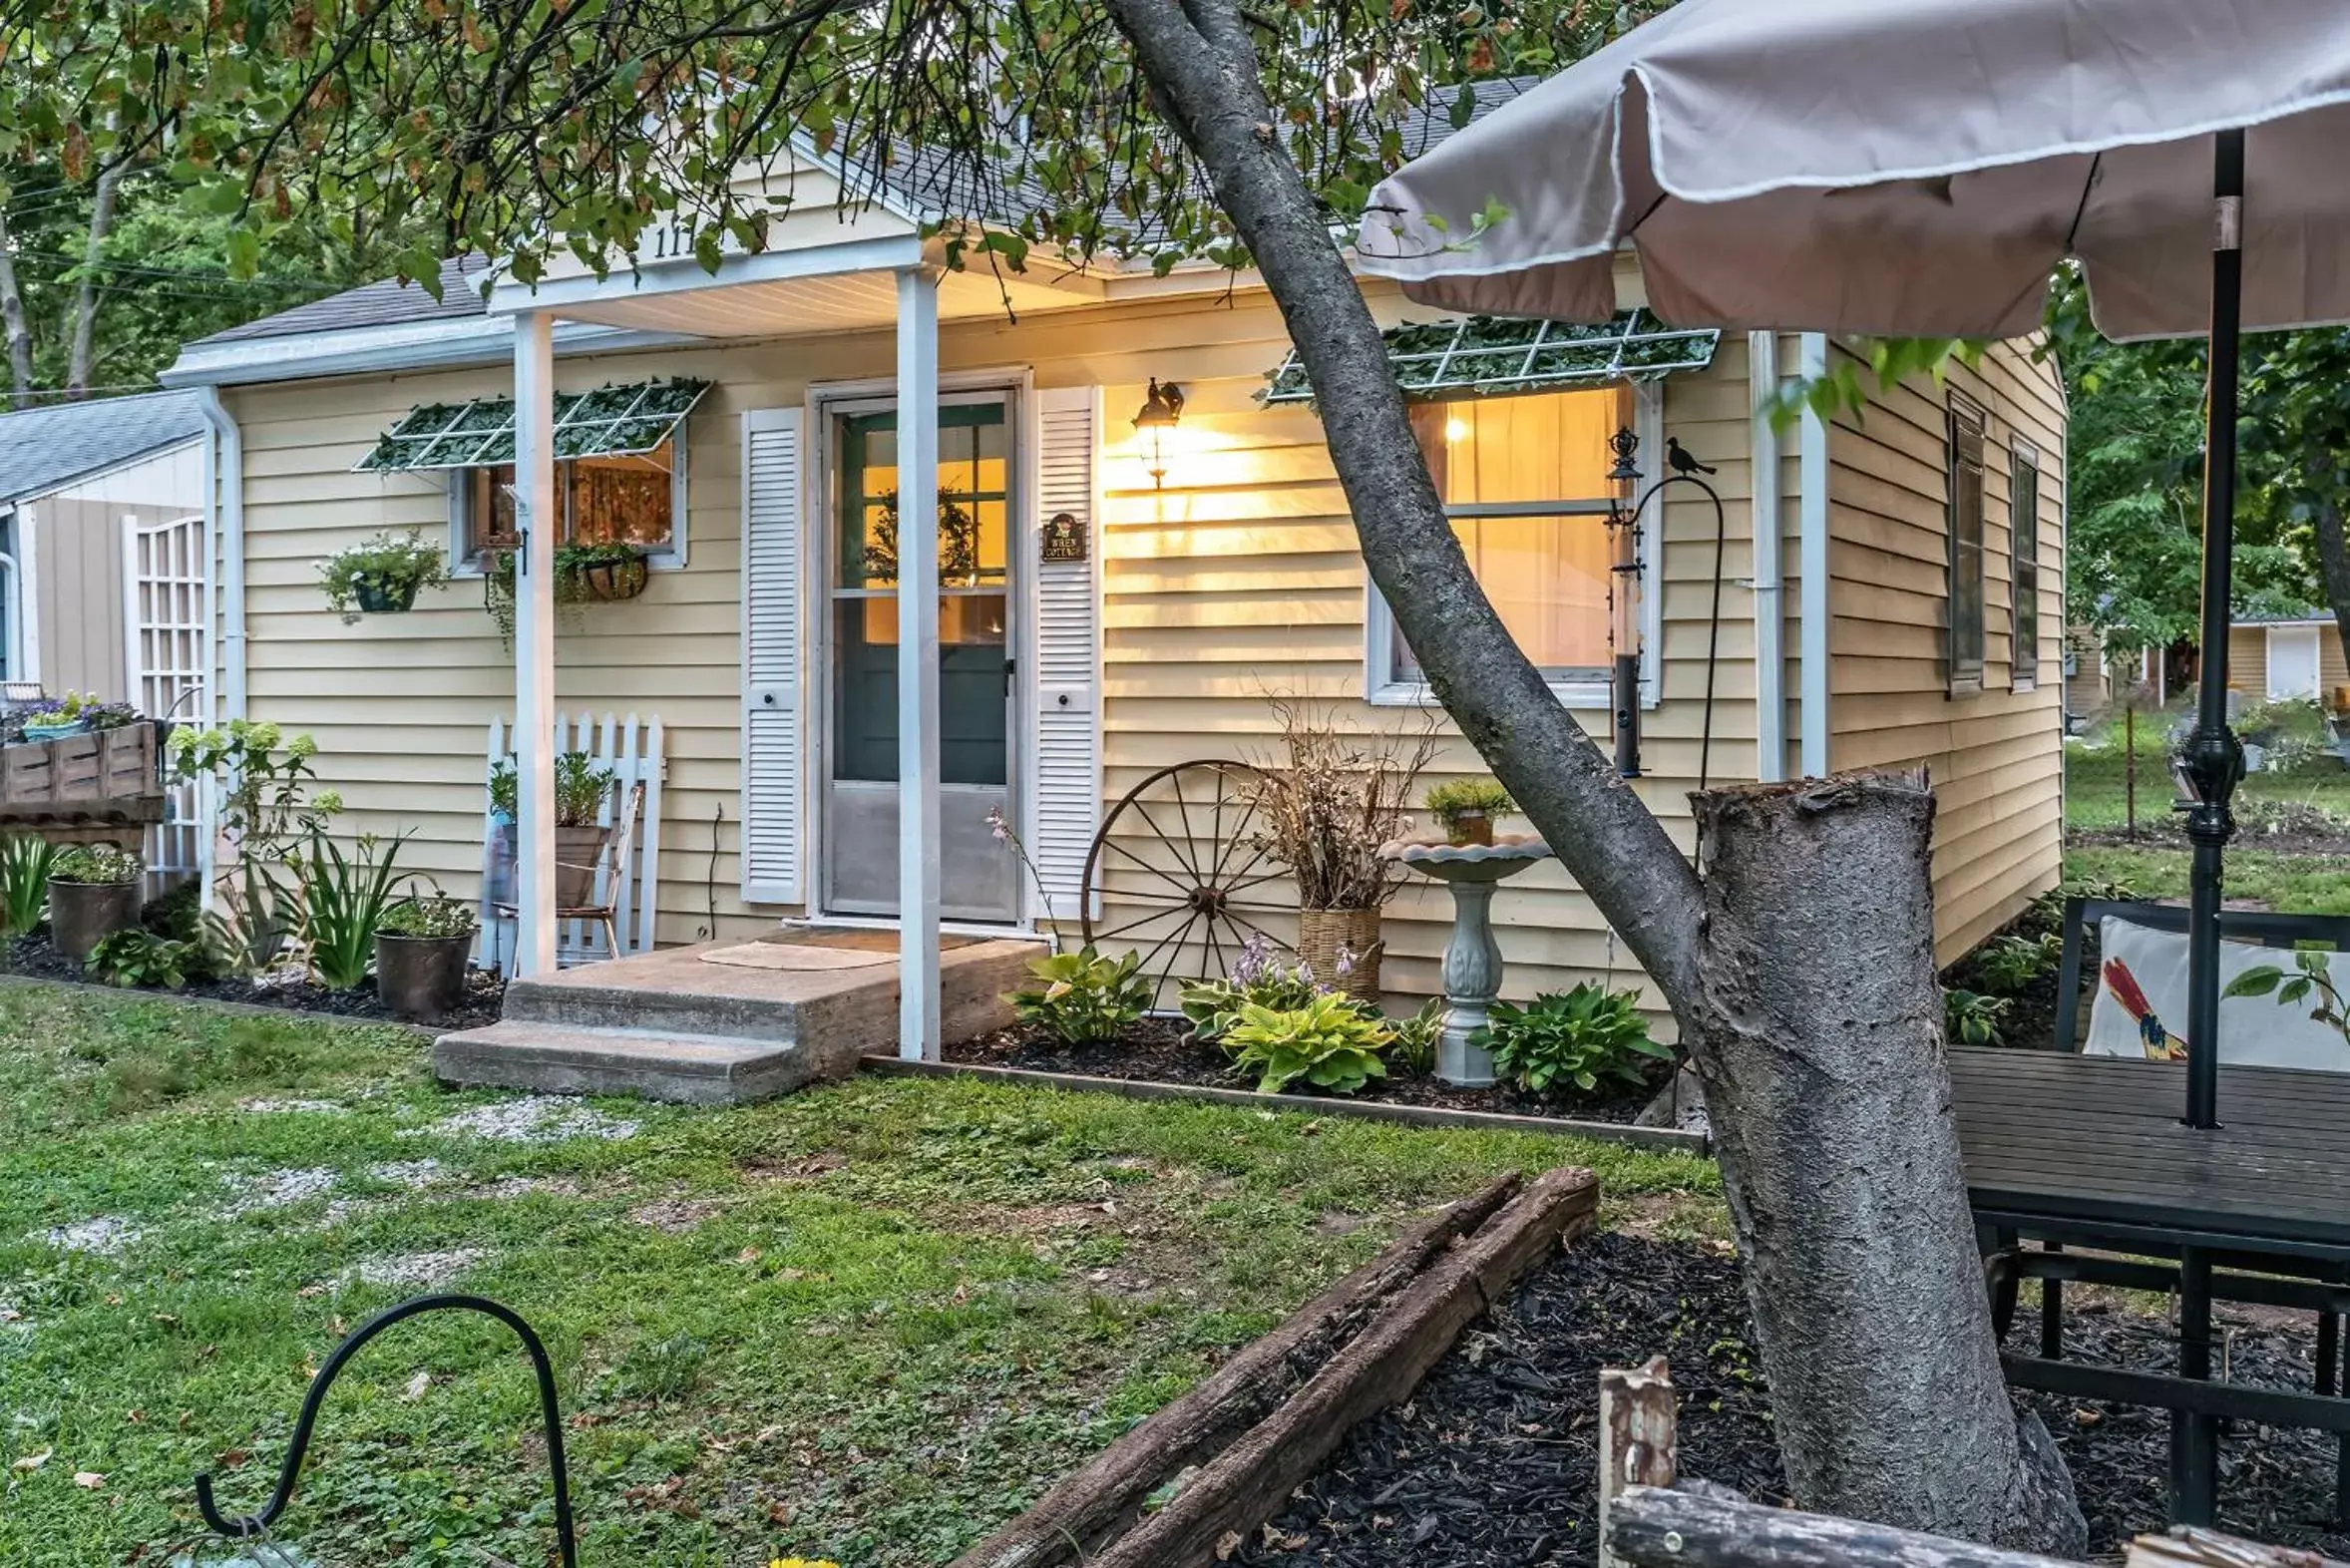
[(107, 775)]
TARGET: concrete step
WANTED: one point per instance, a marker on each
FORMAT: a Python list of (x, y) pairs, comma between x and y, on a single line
[(689, 1069), (618, 996)]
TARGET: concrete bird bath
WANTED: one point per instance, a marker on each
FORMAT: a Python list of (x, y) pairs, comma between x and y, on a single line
[(1472, 958)]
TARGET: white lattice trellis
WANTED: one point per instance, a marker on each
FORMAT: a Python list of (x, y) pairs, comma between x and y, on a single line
[(167, 661), (632, 750)]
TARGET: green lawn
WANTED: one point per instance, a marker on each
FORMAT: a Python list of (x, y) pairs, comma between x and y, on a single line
[(866, 1321), (2301, 883), (2094, 789)]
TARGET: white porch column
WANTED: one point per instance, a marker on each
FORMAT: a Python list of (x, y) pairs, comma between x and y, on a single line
[(534, 641), (917, 666)]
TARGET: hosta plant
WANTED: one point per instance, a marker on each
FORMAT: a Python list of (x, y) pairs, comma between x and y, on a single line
[(1083, 997), (1330, 1043), (141, 957), (1972, 1019), (1259, 975), (2010, 963), (1575, 1039)]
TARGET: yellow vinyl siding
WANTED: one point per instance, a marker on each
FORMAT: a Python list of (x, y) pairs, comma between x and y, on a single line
[(1996, 757)]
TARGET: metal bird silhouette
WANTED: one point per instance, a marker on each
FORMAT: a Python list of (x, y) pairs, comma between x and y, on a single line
[(1683, 459)]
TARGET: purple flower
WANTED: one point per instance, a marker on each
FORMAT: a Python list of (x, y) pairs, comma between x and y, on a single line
[(1346, 960), (1256, 962)]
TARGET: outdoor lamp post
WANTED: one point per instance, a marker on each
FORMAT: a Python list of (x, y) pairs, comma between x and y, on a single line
[(1624, 540), (1160, 413)]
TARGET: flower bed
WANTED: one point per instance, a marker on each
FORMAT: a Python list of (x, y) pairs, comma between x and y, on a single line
[(485, 989), (1165, 1051)]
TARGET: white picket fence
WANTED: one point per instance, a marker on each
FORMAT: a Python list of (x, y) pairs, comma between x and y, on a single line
[(633, 753)]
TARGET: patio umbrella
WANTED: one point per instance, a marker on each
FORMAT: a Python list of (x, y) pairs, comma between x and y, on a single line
[(1920, 168)]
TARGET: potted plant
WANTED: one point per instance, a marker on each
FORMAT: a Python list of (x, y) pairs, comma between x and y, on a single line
[(54, 719), (604, 573), (92, 893), (381, 576), (1326, 807), (580, 787), (1466, 809), (421, 948)]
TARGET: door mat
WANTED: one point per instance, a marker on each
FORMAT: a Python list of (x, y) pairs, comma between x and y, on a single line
[(855, 939), (796, 955)]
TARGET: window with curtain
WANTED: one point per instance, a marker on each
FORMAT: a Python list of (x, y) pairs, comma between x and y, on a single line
[(1524, 481), (1966, 546), (2024, 545), (632, 500)]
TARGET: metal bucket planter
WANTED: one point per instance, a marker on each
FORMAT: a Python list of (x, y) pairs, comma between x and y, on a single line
[(84, 913), (421, 978), (384, 596), (612, 580), (576, 850)]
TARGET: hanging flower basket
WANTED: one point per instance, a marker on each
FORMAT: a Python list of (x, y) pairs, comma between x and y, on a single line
[(380, 576), (386, 597)]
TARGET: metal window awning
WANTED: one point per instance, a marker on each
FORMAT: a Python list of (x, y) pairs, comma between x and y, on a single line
[(1488, 355), (612, 421)]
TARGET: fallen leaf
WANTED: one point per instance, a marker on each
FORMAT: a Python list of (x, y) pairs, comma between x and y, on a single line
[(168, 1320), (231, 1458), (1227, 1544), (136, 1417), (747, 1255), (308, 1290), (112, 1299), (778, 1515), (416, 1386), (32, 1461), (2084, 1417), (89, 1480), (11, 1315)]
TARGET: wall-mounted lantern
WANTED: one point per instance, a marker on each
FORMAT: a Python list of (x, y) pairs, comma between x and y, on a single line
[(1155, 421)]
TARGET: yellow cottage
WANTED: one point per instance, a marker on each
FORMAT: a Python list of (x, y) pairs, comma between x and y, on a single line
[(1141, 540)]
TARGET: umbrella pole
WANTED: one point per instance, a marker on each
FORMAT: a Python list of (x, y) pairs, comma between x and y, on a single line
[(2214, 766)]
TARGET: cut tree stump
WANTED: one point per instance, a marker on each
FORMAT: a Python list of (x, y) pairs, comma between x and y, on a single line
[(1237, 1445)]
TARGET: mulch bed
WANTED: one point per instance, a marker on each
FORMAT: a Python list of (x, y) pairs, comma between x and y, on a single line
[(1162, 1050), (1494, 1463), (483, 994)]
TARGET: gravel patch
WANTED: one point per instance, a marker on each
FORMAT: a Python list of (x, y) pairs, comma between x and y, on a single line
[(415, 1175), (415, 1270), (676, 1216), (506, 1188), (292, 1107), (105, 1236), (279, 1189), (534, 1119)]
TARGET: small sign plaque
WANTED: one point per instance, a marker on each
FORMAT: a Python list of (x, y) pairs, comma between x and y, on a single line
[(1064, 538)]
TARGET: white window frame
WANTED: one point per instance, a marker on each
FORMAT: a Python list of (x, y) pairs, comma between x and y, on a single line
[(669, 557), (2023, 676), (1379, 681)]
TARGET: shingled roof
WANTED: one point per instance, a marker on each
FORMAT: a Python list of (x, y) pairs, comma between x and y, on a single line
[(43, 450)]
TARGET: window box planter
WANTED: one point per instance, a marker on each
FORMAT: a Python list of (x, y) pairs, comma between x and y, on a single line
[(608, 582), (41, 733), (95, 773)]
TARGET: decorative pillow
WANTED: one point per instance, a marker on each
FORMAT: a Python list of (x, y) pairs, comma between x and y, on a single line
[(2141, 1005)]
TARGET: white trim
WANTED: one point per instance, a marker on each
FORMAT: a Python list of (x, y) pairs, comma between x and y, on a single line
[(534, 644), (669, 557), (440, 342), (919, 815), (1812, 556), (1770, 703), (28, 588), (1382, 689), (92, 475), (224, 554), (685, 276)]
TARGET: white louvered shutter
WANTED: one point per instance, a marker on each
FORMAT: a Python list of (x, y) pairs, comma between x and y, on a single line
[(774, 745), (1067, 791)]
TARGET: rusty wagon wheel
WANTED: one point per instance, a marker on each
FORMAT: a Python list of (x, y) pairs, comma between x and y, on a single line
[(1178, 874)]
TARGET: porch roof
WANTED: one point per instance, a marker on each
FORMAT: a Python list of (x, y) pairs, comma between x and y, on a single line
[(1490, 355), (612, 421)]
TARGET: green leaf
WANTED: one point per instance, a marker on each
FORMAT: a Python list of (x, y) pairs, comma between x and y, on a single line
[(2257, 981)]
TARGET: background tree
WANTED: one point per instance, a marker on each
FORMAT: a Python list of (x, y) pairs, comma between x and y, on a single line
[(1177, 130)]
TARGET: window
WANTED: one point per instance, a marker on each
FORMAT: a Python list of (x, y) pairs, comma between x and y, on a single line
[(1966, 548), (2024, 548), (636, 499), (1524, 481)]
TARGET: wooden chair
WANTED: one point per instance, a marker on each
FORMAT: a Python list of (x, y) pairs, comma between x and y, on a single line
[(606, 877)]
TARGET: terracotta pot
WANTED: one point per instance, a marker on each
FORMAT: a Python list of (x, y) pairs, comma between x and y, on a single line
[(576, 851), (84, 913), (421, 978), (1322, 934), (610, 581), (1468, 827), (384, 596)]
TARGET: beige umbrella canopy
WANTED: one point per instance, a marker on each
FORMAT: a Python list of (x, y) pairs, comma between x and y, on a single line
[(1901, 166)]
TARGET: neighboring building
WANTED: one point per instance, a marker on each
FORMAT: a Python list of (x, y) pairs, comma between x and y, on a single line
[(2274, 659), (101, 561), (1905, 609)]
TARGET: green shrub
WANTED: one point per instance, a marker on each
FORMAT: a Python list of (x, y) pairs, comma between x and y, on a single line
[(429, 916), (1415, 1046), (344, 902), (580, 789), (99, 865), (1330, 1043), (2008, 965), (1259, 977), (1971, 1020), (141, 957), (1574, 1037), (1084, 997), (26, 860)]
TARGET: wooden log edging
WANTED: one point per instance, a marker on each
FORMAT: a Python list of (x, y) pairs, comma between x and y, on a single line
[(1663, 1138), (1108, 1492), (1412, 1301)]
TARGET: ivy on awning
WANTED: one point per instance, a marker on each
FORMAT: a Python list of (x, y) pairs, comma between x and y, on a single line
[(612, 421), (1487, 355)]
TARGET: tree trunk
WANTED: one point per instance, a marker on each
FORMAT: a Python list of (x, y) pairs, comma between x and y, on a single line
[(1821, 1048), (88, 292), (1914, 1317), (2333, 565), (12, 320)]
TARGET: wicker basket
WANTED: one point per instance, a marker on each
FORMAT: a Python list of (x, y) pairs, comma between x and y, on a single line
[(1321, 936)]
